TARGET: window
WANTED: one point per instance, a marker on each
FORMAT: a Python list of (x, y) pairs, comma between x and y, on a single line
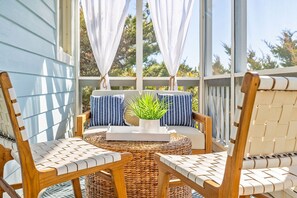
[(221, 36), (190, 59), (271, 34), (124, 63), (149, 59), (152, 58), (153, 65)]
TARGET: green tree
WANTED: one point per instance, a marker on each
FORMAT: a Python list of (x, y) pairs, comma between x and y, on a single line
[(218, 67), (125, 59), (260, 63), (155, 69), (159, 70), (254, 62), (185, 70), (285, 53), (286, 50), (88, 66)]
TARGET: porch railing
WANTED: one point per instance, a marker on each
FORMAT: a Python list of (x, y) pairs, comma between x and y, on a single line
[(122, 83)]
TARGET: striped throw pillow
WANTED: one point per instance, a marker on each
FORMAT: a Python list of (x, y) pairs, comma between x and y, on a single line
[(107, 110), (179, 112)]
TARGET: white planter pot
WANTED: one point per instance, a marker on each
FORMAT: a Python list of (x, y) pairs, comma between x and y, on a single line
[(149, 126)]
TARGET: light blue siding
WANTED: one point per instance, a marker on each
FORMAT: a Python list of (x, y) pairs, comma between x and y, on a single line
[(11, 10), (29, 85), (15, 35), (51, 4), (53, 117), (41, 10), (30, 63), (44, 85), (44, 103)]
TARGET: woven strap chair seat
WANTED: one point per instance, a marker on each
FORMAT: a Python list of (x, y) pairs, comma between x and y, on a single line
[(69, 155), (200, 168)]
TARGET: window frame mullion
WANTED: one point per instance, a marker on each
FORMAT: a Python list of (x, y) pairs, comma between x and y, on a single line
[(139, 45)]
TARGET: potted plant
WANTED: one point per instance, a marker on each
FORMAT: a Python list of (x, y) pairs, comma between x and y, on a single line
[(149, 110)]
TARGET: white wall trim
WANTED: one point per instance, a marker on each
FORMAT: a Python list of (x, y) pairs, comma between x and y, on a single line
[(139, 44)]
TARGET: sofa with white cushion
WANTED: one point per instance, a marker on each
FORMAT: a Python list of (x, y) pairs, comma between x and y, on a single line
[(201, 138)]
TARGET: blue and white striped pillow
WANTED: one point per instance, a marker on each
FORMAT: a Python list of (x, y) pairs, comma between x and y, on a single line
[(107, 110), (179, 112)]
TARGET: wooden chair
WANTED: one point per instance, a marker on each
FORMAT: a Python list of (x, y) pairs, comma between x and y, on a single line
[(48, 163), (262, 153)]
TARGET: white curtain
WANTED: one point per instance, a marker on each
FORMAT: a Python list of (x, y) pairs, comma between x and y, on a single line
[(171, 20), (105, 21)]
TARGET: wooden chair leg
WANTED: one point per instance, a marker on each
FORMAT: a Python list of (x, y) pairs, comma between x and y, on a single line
[(1, 175), (118, 180), (5, 187), (76, 188), (163, 183), (5, 156), (31, 192), (31, 187)]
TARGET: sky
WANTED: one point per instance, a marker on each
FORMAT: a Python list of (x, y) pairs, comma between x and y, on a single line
[(266, 19)]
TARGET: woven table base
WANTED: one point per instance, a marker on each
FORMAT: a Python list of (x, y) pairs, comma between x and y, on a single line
[(141, 174)]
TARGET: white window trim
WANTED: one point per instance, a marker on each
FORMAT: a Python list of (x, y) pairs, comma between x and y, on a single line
[(61, 55), (139, 45)]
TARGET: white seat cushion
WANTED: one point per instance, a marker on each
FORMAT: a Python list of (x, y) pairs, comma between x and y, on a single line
[(69, 155), (94, 129), (196, 136)]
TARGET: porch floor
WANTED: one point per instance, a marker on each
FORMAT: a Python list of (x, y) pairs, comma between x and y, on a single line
[(65, 190)]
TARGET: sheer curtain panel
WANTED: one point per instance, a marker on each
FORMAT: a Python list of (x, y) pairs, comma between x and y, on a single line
[(171, 20), (105, 20)]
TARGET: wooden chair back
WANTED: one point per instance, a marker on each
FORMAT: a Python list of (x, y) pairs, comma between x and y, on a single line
[(13, 134), (53, 164), (265, 133), (273, 127)]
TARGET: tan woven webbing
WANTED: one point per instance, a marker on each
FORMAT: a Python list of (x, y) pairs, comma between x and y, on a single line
[(6, 131), (202, 168), (68, 155), (273, 127)]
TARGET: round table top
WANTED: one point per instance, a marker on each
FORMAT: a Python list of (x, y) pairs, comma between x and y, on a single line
[(176, 142)]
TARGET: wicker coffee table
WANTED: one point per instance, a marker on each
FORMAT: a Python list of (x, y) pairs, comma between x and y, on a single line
[(141, 174)]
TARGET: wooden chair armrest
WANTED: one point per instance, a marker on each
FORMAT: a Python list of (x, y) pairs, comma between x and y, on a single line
[(207, 129), (80, 121)]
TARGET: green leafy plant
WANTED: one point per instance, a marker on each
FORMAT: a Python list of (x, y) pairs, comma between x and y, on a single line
[(148, 107), (86, 94)]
